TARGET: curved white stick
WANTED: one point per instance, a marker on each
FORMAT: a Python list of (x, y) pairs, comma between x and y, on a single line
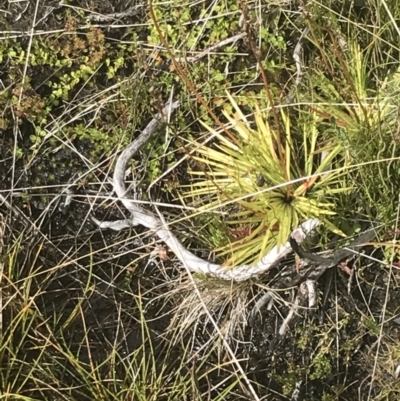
[(149, 220)]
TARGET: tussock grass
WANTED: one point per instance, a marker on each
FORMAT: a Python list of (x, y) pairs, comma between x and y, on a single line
[(229, 302)]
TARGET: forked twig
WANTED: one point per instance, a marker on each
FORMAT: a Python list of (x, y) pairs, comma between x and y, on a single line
[(302, 294)]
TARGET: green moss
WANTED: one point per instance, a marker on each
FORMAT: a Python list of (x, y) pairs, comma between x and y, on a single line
[(320, 367)]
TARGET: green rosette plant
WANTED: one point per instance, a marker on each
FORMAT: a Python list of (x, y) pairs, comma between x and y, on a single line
[(267, 178)]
